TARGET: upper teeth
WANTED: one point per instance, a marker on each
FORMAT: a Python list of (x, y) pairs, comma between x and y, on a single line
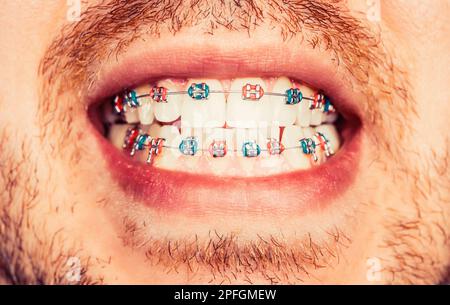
[(282, 107)]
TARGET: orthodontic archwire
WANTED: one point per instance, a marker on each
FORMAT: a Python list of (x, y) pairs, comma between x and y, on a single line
[(201, 91), (135, 141)]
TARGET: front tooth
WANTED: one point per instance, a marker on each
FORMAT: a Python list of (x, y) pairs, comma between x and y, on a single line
[(303, 111), (262, 136), (212, 134), (241, 138), (247, 113), (186, 132), (230, 136), (294, 156), (145, 111), (282, 114), (170, 111), (208, 112), (220, 165), (198, 133), (331, 133), (117, 134)]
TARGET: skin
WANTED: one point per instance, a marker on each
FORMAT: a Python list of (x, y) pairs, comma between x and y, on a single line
[(395, 227)]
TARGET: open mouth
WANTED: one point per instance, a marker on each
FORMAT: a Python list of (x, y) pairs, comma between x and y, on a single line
[(227, 135), (288, 126)]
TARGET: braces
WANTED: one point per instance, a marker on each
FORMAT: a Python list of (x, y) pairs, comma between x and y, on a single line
[(201, 91), (135, 140)]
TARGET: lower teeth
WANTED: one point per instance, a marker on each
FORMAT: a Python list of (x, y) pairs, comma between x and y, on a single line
[(136, 140)]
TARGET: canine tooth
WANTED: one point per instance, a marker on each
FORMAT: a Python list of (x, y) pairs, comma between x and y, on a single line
[(246, 113), (303, 111), (117, 134), (294, 157), (284, 114), (208, 112), (146, 115), (331, 133), (170, 111), (145, 111)]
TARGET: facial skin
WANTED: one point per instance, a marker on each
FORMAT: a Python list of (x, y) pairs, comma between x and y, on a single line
[(62, 210)]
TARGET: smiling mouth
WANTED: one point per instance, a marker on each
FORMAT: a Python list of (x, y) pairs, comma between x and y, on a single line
[(227, 135)]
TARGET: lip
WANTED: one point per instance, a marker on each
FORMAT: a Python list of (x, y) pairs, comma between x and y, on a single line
[(187, 193)]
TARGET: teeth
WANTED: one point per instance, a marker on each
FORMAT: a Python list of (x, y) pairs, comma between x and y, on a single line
[(198, 133), (274, 133), (329, 117), (218, 165), (206, 113), (271, 163), (241, 138), (282, 114), (186, 132), (231, 118), (172, 138), (230, 135), (262, 136), (246, 164), (132, 116), (316, 117), (212, 134), (303, 111), (294, 157), (308, 132), (247, 113), (194, 132), (145, 111), (170, 111), (153, 130), (331, 133), (117, 134)]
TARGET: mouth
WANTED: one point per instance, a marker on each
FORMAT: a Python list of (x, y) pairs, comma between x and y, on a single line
[(228, 131)]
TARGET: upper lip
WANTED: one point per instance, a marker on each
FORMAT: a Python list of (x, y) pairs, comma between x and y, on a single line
[(298, 191)]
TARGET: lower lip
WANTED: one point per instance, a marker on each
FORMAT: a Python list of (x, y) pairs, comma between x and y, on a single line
[(180, 192)]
